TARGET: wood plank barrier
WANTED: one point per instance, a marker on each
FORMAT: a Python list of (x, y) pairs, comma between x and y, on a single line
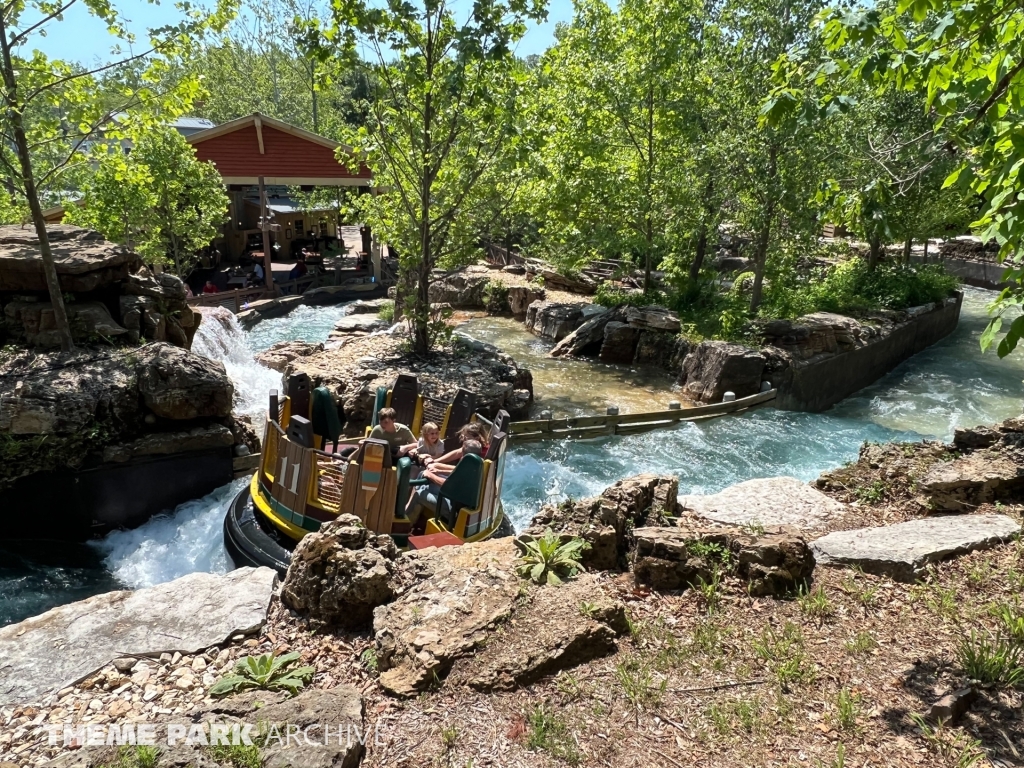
[(583, 427)]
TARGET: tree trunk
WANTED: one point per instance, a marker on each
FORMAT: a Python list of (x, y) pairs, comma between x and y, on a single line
[(907, 246), (924, 259), (648, 223), (760, 259), (698, 257), (876, 247), (14, 113)]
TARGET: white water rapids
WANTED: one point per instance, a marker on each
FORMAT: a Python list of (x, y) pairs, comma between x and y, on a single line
[(947, 385)]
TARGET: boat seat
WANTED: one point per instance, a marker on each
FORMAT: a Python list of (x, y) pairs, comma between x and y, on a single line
[(326, 420), (461, 489), (404, 399)]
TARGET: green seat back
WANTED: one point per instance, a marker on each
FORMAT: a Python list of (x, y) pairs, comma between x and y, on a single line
[(461, 489), (325, 415)]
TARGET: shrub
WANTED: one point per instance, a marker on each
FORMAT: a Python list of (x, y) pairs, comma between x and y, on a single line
[(387, 312), (496, 297), (608, 295), (267, 672), (547, 560)]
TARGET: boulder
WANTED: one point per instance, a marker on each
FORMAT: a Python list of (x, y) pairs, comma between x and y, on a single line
[(84, 260), (164, 443), (716, 367), (981, 477), (518, 405), (550, 632), (729, 263), (619, 345), (279, 356), (462, 289), (902, 551), (338, 575), (604, 521), (821, 333), (661, 348), (176, 384), (154, 307), (772, 563), (451, 613), (587, 338), (767, 502), (69, 399), (520, 297), (358, 325), (66, 644), (552, 320), (367, 306), (577, 284), (34, 322), (653, 319), (514, 269), (340, 709)]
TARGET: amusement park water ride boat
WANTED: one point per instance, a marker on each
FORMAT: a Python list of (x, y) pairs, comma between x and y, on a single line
[(303, 480)]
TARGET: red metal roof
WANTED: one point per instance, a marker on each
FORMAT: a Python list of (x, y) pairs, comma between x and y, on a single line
[(286, 155)]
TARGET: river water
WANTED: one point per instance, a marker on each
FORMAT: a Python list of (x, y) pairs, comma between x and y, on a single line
[(948, 385)]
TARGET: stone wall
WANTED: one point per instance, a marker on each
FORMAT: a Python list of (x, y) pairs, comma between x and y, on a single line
[(815, 384)]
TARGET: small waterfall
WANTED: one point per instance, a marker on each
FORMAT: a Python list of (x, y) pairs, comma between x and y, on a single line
[(221, 338)]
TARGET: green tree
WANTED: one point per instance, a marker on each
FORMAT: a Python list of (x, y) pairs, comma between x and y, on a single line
[(52, 109), (159, 199), (437, 124), (963, 61)]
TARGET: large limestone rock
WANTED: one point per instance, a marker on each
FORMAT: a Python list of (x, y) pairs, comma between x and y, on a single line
[(552, 320), (176, 384), (716, 367), (604, 521), (84, 260), (462, 289), (661, 348), (66, 644), (165, 443), (34, 322), (588, 338), (338, 575), (773, 563), (619, 344), (279, 356), (550, 632), (768, 502), (902, 551), (358, 325), (980, 477), (578, 284), (817, 334), (520, 297), (653, 319), (450, 614)]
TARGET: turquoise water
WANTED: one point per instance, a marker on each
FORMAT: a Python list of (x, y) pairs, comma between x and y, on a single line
[(948, 385)]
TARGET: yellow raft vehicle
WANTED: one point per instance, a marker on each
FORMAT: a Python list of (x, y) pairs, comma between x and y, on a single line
[(306, 478)]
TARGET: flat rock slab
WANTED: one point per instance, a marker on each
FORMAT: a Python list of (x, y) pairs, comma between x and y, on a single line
[(902, 551), (769, 502), (64, 645)]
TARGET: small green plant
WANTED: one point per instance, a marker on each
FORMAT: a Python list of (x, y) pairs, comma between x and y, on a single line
[(871, 493), (387, 312), (135, 757), (862, 643), (449, 736), (754, 528), (814, 603), (840, 761), (636, 680), (1011, 620), (548, 560), (569, 686), (707, 638), (980, 573), (993, 661), (847, 708), (736, 715), (549, 732), (369, 659), (783, 653), (711, 591), (237, 755), (588, 609), (954, 746), (496, 296), (266, 672)]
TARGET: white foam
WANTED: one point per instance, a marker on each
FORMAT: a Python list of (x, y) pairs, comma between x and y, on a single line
[(222, 339), (168, 547)]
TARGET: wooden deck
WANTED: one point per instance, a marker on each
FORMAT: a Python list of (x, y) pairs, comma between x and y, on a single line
[(584, 427)]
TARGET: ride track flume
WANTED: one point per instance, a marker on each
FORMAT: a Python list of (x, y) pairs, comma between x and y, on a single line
[(584, 427)]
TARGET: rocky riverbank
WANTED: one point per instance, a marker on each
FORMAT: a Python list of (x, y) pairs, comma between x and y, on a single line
[(693, 637)]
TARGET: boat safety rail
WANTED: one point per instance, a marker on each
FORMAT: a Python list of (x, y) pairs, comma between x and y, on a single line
[(271, 440), (328, 487)]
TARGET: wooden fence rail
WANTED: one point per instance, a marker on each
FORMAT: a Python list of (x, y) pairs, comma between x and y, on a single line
[(582, 427)]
